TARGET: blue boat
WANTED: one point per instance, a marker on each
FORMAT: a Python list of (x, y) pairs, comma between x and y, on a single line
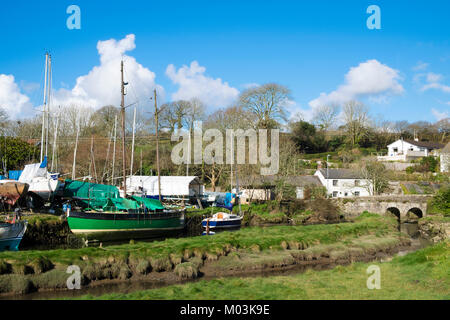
[(11, 233), (222, 220)]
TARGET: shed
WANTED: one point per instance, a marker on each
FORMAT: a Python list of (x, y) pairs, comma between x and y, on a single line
[(171, 186)]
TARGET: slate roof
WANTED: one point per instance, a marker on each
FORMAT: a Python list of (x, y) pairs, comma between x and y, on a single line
[(341, 174), (297, 181), (425, 144)]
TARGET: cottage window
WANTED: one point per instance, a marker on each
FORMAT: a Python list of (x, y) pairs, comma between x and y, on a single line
[(335, 194), (395, 149), (356, 193), (335, 183)]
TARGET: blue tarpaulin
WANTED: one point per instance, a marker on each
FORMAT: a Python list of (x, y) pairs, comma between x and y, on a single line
[(15, 175)]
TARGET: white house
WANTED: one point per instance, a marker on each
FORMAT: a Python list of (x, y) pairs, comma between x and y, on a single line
[(406, 150), (445, 158), (342, 183)]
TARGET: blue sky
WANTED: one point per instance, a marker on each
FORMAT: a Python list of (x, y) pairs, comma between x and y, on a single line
[(401, 71)]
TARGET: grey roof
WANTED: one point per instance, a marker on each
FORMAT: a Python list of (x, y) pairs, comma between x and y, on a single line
[(426, 144), (298, 181), (341, 174)]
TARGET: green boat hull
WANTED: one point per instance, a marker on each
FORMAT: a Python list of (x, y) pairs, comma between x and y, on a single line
[(119, 226)]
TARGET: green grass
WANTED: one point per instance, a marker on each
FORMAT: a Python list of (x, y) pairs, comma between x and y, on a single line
[(265, 238), (420, 275)]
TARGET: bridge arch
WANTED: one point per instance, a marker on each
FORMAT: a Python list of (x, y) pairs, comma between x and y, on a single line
[(395, 211), (415, 213)]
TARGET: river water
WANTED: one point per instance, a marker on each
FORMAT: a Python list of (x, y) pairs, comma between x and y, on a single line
[(132, 286)]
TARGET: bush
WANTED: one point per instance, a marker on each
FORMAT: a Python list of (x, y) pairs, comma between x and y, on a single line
[(441, 201)]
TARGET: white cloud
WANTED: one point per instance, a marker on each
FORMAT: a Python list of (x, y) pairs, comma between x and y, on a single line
[(433, 77), (433, 80), (440, 115), (420, 66), (16, 104), (101, 86), (369, 79), (193, 83)]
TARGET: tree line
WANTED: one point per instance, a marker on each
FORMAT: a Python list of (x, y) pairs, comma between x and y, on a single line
[(333, 128)]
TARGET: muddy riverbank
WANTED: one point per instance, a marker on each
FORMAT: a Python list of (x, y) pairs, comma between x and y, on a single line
[(244, 264), (118, 273)]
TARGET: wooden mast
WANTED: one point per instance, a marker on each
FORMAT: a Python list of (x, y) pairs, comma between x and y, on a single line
[(114, 151), (124, 160), (157, 146)]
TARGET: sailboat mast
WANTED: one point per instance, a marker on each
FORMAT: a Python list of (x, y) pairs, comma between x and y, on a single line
[(49, 87), (231, 163), (45, 108), (55, 137), (124, 161), (75, 150), (114, 150), (132, 147), (157, 146)]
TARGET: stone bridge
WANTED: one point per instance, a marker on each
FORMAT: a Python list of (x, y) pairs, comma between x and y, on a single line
[(399, 205)]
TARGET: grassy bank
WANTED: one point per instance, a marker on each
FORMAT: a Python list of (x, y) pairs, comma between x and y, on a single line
[(30, 270), (419, 275)]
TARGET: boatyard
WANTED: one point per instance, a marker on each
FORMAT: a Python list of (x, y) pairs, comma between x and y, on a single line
[(224, 151)]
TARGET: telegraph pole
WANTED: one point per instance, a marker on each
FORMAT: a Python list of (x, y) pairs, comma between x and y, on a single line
[(124, 160), (157, 146)]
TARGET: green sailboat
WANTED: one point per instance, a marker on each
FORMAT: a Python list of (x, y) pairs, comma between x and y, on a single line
[(101, 214)]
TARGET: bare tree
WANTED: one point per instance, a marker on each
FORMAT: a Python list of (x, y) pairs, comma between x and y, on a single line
[(173, 114), (400, 127), (267, 102), (195, 112), (356, 116), (374, 173), (325, 115)]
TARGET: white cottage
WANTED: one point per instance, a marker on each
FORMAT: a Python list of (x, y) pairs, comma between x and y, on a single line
[(445, 158), (342, 183), (406, 150)]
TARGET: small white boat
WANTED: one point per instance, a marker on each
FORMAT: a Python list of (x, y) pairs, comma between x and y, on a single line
[(222, 220)]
